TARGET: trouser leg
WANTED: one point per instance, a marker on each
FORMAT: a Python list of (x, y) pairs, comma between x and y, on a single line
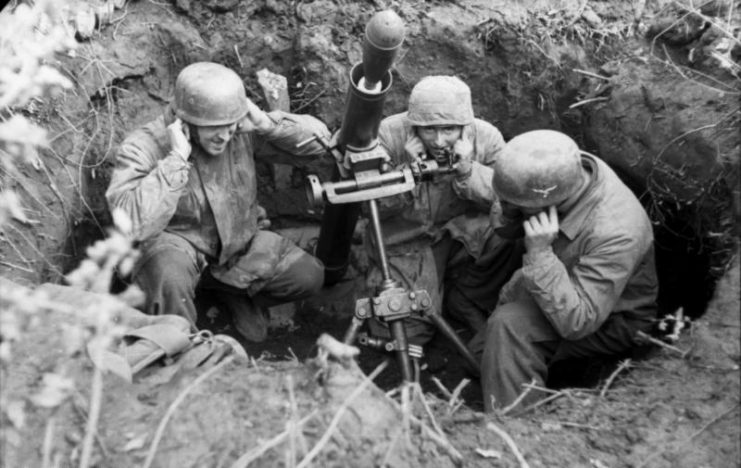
[(474, 293), (297, 277), (460, 307), (168, 273), (515, 349), (519, 345), (294, 275)]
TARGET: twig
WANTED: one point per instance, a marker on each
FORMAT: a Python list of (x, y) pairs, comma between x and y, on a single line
[(291, 425), (588, 101), (239, 58), (674, 140), (544, 401), (428, 410), (521, 397), (17, 267), (541, 388), (722, 29), (653, 340), (15, 247), (338, 415), (581, 426), (77, 405), (35, 249), (623, 365), (174, 405), (394, 439), (48, 441), (678, 70), (454, 454), (307, 103), (685, 442), (510, 443), (457, 391), (257, 452), (579, 12), (593, 75), (93, 415), (442, 388)]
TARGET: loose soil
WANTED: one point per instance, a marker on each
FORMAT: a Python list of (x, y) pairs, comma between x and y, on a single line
[(654, 104)]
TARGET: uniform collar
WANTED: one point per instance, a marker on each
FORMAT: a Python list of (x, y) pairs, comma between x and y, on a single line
[(571, 225)]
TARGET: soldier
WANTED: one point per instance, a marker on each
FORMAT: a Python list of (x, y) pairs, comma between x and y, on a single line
[(187, 180), (587, 283), (442, 224)]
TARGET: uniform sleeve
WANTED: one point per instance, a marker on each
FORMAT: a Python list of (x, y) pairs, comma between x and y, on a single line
[(392, 138), (477, 187), (279, 144), (145, 187), (577, 302)]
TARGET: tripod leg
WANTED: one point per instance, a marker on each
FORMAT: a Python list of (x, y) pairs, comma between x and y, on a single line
[(448, 331), (399, 335), (352, 332)]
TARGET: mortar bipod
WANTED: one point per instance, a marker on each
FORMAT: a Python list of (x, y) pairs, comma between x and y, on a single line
[(392, 304)]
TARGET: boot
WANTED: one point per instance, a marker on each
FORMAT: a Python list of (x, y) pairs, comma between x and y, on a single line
[(249, 319)]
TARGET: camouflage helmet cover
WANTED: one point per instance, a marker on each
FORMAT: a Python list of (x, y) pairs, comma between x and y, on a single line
[(440, 100)]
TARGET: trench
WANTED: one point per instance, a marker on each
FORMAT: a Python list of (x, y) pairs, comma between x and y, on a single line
[(689, 260)]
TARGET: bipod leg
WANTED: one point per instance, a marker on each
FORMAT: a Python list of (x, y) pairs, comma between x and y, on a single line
[(352, 331), (401, 348), (448, 331)]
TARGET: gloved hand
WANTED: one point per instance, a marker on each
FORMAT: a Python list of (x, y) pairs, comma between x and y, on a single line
[(179, 135)]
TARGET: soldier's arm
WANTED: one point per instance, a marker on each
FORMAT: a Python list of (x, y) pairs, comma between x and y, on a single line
[(477, 185), (146, 187)]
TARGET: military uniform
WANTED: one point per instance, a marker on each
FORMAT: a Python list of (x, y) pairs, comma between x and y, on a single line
[(201, 215), (439, 225), (588, 295)]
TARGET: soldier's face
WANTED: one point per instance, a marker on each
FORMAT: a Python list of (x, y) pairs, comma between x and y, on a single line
[(214, 139), (439, 138)]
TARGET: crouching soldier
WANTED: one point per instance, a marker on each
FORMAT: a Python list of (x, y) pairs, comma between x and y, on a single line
[(587, 283), (440, 224), (187, 180)]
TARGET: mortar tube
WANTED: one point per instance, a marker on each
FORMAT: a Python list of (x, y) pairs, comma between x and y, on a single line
[(359, 131)]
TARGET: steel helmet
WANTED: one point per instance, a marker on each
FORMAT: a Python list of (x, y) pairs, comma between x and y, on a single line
[(538, 169), (209, 94), (440, 100)]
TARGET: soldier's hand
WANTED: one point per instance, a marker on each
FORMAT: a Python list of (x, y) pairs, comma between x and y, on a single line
[(256, 119), (179, 135), (463, 151), (415, 149), (541, 230)]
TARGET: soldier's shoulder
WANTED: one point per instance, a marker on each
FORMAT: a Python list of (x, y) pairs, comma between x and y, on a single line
[(150, 137)]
